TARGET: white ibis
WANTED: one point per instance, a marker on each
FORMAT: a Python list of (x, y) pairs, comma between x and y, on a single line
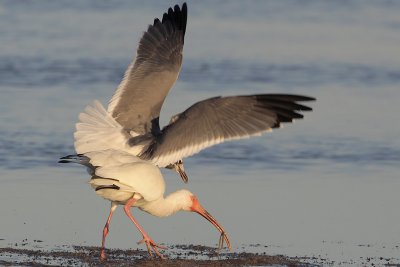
[(131, 121), (127, 180)]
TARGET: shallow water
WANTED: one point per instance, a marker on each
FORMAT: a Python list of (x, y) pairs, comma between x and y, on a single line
[(327, 185)]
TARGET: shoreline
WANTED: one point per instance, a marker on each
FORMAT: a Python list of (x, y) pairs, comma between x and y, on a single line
[(179, 255)]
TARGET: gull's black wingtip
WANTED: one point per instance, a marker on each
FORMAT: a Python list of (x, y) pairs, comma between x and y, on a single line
[(285, 97), (184, 8), (290, 97), (177, 16)]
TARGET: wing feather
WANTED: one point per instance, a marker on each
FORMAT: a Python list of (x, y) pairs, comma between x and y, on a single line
[(139, 97), (220, 119)]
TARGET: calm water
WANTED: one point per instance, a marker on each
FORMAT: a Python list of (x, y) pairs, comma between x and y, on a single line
[(325, 186)]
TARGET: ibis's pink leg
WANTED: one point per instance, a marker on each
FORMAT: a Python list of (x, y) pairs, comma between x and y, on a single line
[(151, 245), (106, 230)]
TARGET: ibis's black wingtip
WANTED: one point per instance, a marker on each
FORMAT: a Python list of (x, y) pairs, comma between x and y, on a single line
[(113, 186), (309, 98), (72, 156)]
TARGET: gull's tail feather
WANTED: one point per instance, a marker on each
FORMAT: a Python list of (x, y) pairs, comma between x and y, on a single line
[(97, 130)]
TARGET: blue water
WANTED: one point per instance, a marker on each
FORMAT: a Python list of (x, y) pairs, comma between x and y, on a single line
[(319, 187)]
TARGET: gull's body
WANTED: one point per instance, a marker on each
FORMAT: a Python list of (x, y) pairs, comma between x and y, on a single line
[(127, 180), (131, 121)]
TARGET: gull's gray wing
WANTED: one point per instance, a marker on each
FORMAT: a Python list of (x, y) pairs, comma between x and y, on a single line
[(219, 119), (137, 102)]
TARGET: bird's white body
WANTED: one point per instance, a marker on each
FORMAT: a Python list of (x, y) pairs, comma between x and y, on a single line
[(140, 178), (127, 180), (134, 178)]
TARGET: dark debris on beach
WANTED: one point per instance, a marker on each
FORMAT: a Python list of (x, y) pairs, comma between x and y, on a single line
[(179, 255)]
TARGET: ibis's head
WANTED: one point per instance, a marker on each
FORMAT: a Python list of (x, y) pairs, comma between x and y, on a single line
[(191, 203)]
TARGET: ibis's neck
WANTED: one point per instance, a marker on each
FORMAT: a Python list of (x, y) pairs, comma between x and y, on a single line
[(163, 207)]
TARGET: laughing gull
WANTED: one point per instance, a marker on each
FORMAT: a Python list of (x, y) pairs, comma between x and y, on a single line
[(131, 121)]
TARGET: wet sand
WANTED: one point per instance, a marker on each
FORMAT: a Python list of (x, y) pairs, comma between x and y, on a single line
[(180, 255), (29, 253)]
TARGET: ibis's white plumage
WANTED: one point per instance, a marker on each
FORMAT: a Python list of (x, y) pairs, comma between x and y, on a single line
[(130, 181), (138, 176)]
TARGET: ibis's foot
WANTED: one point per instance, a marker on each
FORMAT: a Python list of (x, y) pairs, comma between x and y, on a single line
[(105, 232), (103, 255), (151, 245)]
